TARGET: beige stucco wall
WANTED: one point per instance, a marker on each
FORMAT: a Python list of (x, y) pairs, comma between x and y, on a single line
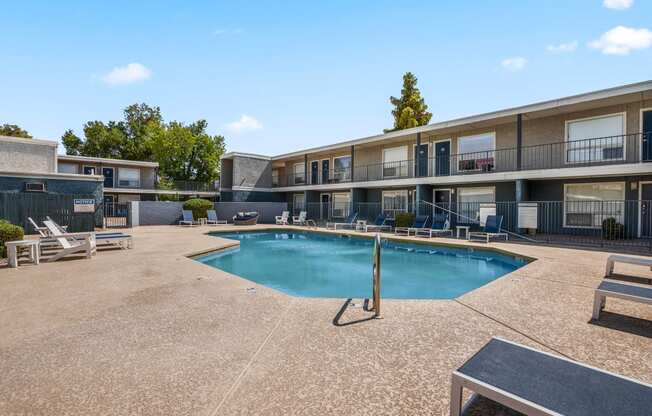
[(19, 155)]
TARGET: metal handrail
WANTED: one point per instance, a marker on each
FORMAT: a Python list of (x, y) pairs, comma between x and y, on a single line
[(376, 276)]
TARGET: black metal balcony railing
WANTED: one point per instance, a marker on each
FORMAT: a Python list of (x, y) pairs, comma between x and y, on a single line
[(189, 186), (631, 148)]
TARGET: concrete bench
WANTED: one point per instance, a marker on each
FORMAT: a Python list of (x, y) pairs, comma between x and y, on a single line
[(533, 382), (612, 288), (614, 258)]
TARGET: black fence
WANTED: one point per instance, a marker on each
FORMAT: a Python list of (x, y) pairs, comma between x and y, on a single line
[(17, 207), (116, 214), (615, 225)]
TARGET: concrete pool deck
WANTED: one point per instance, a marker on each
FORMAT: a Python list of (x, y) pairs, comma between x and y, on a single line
[(150, 331)]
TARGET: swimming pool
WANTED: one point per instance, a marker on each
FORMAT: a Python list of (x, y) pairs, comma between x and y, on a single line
[(318, 265)]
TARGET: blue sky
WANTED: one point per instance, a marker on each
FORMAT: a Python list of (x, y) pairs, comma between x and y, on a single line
[(278, 76)]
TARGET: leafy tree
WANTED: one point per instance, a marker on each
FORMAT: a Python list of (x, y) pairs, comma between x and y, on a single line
[(13, 131), (184, 152), (410, 110), (187, 152)]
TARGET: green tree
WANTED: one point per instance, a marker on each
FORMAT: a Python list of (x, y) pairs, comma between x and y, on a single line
[(184, 152), (187, 152), (13, 131), (410, 110)]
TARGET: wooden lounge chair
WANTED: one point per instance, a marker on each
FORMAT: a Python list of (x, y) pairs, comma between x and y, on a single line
[(492, 228), (380, 224), (212, 218), (440, 226), (348, 223), (188, 220), (283, 218), (42, 231), (537, 383), (71, 243), (111, 238), (616, 289), (420, 222)]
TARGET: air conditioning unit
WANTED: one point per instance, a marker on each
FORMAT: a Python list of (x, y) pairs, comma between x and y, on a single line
[(34, 187)]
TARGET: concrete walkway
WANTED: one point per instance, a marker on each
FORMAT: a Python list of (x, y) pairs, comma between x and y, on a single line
[(150, 331)]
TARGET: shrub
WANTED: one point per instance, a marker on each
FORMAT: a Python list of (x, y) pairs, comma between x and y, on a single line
[(612, 230), (198, 206), (403, 219), (9, 232)]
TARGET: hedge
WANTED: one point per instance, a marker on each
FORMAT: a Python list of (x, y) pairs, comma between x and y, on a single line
[(404, 219), (9, 232), (198, 206)]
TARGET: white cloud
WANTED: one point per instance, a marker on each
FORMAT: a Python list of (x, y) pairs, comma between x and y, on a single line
[(220, 32), (563, 47), (128, 74), (514, 64), (245, 124), (618, 4), (622, 40)]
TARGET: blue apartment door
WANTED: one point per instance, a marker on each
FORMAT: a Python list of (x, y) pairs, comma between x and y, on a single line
[(646, 210), (442, 158), (325, 167), (314, 172), (421, 159), (646, 140), (108, 177)]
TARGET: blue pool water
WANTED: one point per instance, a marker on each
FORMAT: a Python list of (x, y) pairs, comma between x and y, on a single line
[(317, 265)]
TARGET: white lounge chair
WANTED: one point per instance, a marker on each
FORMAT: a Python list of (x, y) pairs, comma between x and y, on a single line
[(492, 228), (212, 218), (348, 223), (283, 218), (42, 231), (615, 289), (440, 226), (420, 223), (188, 220), (71, 243), (110, 238), (300, 219)]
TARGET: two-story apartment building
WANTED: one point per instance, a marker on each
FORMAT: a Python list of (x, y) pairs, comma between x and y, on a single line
[(586, 156)]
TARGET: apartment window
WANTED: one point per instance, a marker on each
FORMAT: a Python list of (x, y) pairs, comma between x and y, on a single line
[(341, 168), (394, 201), (129, 177), (274, 177), (299, 173), (469, 200), (299, 203), (586, 205), (477, 152), (341, 205), (89, 170), (595, 139), (67, 168), (395, 164)]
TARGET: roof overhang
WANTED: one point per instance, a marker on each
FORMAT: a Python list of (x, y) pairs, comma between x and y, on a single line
[(87, 159)]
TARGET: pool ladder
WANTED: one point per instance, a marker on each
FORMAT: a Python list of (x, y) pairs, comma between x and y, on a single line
[(376, 277)]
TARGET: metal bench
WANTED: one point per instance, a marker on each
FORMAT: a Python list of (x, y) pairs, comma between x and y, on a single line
[(537, 383)]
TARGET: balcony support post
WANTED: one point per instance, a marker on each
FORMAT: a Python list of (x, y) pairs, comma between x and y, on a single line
[(352, 163), (519, 139), (417, 167), (305, 169)]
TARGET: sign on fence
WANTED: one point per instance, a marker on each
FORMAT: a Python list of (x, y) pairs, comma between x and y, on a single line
[(84, 205), (527, 215)]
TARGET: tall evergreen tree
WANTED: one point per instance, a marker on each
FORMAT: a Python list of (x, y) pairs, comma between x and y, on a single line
[(410, 110)]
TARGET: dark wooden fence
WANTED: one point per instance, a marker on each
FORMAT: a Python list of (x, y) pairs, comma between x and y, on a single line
[(16, 207)]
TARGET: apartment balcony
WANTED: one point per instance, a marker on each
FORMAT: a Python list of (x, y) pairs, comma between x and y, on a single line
[(613, 150)]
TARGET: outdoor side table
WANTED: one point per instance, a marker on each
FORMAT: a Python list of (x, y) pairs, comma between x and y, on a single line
[(466, 229), (32, 245), (360, 225)]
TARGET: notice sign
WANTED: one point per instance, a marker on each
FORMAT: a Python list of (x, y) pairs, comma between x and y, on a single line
[(84, 205), (527, 215)]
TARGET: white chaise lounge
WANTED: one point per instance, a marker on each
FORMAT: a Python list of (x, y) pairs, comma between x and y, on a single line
[(71, 243)]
